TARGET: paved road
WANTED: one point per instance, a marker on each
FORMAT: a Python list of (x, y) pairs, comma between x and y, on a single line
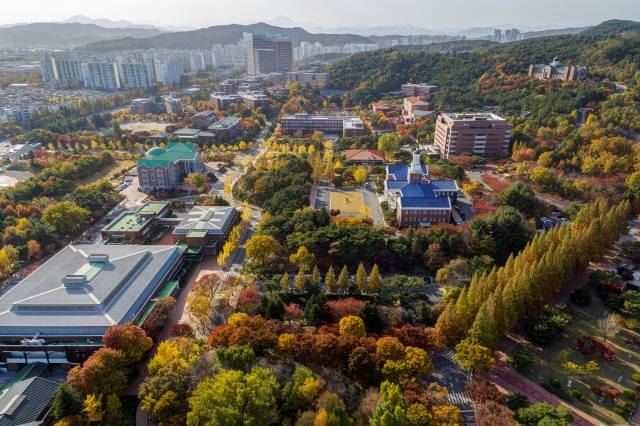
[(454, 378)]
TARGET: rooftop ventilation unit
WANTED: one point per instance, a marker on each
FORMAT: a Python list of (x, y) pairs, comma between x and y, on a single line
[(74, 280), (100, 258)]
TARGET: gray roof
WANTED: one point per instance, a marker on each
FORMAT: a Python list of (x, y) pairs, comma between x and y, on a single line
[(24, 402), (204, 113), (212, 219), (114, 292), (225, 123), (186, 132)]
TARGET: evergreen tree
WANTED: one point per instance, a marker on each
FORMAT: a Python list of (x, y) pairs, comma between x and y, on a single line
[(361, 279), (330, 280), (483, 329), (375, 283), (66, 402), (371, 317)]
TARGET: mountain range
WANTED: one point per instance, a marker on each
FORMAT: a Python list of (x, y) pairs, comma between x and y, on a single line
[(68, 34)]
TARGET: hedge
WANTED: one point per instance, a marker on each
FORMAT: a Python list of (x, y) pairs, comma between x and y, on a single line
[(555, 383), (636, 378), (300, 297), (629, 393), (619, 410)]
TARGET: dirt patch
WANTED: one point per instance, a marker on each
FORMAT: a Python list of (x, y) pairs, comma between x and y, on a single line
[(148, 126)]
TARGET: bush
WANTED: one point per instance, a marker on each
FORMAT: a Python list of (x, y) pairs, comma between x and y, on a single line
[(523, 359), (629, 394), (636, 378), (576, 394), (517, 401), (384, 206), (581, 297), (619, 410), (631, 407), (559, 392), (555, 383)]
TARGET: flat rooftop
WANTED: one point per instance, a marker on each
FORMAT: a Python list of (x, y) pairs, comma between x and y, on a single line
[(127, 221), (152, 207)]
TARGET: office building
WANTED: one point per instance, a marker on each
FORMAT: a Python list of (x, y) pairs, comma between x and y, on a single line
[(411, 89), (205, 229), (267, 53), (172, 104), (484, 134), (135, 227), (305, 77), (229, 128), (557, 70), (347, 125), (204, 119), (420, 200), (162, 169), (413, 103), (252, 100), (279, 90), (141, 106)]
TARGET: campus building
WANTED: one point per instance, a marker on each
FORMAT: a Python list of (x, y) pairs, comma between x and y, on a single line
[(204, 229), (305, 77), (483, 133), (420, 201), (56, 312), (141, 106), (348, 125), (364, 156), (204, 119), (229, 127), (411, 89), (162, 168), (268, 53), (253, 100), (557, 70), (135, 227)]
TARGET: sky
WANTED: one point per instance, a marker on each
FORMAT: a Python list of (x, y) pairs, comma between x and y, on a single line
[(332, 13)]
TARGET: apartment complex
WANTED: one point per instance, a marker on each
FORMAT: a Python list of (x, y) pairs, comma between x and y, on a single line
[(268, 53), (411, 89), (347, 125), (557, 70), (484, 134), (162, 168)]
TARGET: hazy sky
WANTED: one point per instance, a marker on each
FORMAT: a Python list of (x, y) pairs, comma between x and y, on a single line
[(330, 13)]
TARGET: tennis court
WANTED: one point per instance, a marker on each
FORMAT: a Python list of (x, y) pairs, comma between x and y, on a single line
[(346, 202)]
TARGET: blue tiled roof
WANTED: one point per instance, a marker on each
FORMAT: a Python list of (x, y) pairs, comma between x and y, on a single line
[(425, 170), (395, 184), (425, 202), (397, 170), (443, 185), (417, 190)]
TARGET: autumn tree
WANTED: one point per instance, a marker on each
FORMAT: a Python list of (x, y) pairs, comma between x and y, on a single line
[(360, 175), (285, 283), (352, 325), (482, 391), (471, 356), (361, 279), (103, 372), (261, 247), (389, 144), (130, 339), (196, 180), (66, 216), (200, 303), (493, 414), (250, 399), (343, 280), (303, 259)]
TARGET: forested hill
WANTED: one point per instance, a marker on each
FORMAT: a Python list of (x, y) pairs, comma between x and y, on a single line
[(457, 46), (613, 26), (204, 38), (374, 74)]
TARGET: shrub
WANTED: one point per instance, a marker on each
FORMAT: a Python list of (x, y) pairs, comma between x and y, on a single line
[(559, 392), (523, 359), (576, 394), (629, 393), (384, 206), (517, 401), (607, 288), (597, 390), (581, 297), (636, 378), (631, 407), (609, 393), (589, 346), (555, 383), (619, 410)]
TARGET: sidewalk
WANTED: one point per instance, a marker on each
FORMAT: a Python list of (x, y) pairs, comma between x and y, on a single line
[(503, 375)]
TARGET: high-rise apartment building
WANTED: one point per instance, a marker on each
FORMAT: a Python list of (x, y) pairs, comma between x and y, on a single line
[(135, 75), (268, 53), (100, 74), (484, 134)]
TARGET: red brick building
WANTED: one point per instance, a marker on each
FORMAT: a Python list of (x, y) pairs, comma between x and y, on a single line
[(364, 156), (204, 119), (482, 133), (557, 70)]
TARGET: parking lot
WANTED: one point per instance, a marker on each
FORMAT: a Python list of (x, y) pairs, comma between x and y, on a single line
[(369, 196)]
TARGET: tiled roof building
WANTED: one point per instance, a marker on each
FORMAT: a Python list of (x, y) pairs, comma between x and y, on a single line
[(162, 168)]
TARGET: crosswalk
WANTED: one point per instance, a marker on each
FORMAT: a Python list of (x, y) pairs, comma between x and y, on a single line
[(459, 398), (448, 354)]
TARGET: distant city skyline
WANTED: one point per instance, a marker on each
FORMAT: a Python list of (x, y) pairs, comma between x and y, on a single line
[(429, 14)]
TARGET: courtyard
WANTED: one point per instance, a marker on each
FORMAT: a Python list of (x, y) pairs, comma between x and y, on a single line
[(349, 200)]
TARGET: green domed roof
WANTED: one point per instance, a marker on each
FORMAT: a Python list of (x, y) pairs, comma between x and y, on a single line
[(156, 150)]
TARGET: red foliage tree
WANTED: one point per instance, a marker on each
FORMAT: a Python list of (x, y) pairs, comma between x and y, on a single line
[(103, 372), (493, 414), (130, 339), (413, 336), (344, 308), (463, 160), (481, 391), (241, 336), (249, 295), (181, 330), (329, 329), (219, 337), (9, 211), (326, 346), (292, 312), (274, 326), (303, 345)]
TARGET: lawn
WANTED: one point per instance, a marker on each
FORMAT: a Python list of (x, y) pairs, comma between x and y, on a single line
[(106, 171), (346, 202), (549, 366)]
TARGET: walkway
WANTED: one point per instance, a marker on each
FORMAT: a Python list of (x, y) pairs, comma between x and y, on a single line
[(503, 375)]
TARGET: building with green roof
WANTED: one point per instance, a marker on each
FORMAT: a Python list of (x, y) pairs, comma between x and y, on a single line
[(135, 227), (163, 168), (204, 229)]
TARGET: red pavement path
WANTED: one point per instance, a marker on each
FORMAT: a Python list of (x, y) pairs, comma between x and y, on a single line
[(208, 266), (502, 373)]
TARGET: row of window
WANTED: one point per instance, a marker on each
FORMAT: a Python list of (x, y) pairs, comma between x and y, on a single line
[(426, 219), (436, 212)]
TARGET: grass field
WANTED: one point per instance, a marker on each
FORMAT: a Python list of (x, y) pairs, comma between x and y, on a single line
[(106, 171), (346, 202), (549, 366)]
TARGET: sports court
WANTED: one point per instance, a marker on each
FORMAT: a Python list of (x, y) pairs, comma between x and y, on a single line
[(346, 202)]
